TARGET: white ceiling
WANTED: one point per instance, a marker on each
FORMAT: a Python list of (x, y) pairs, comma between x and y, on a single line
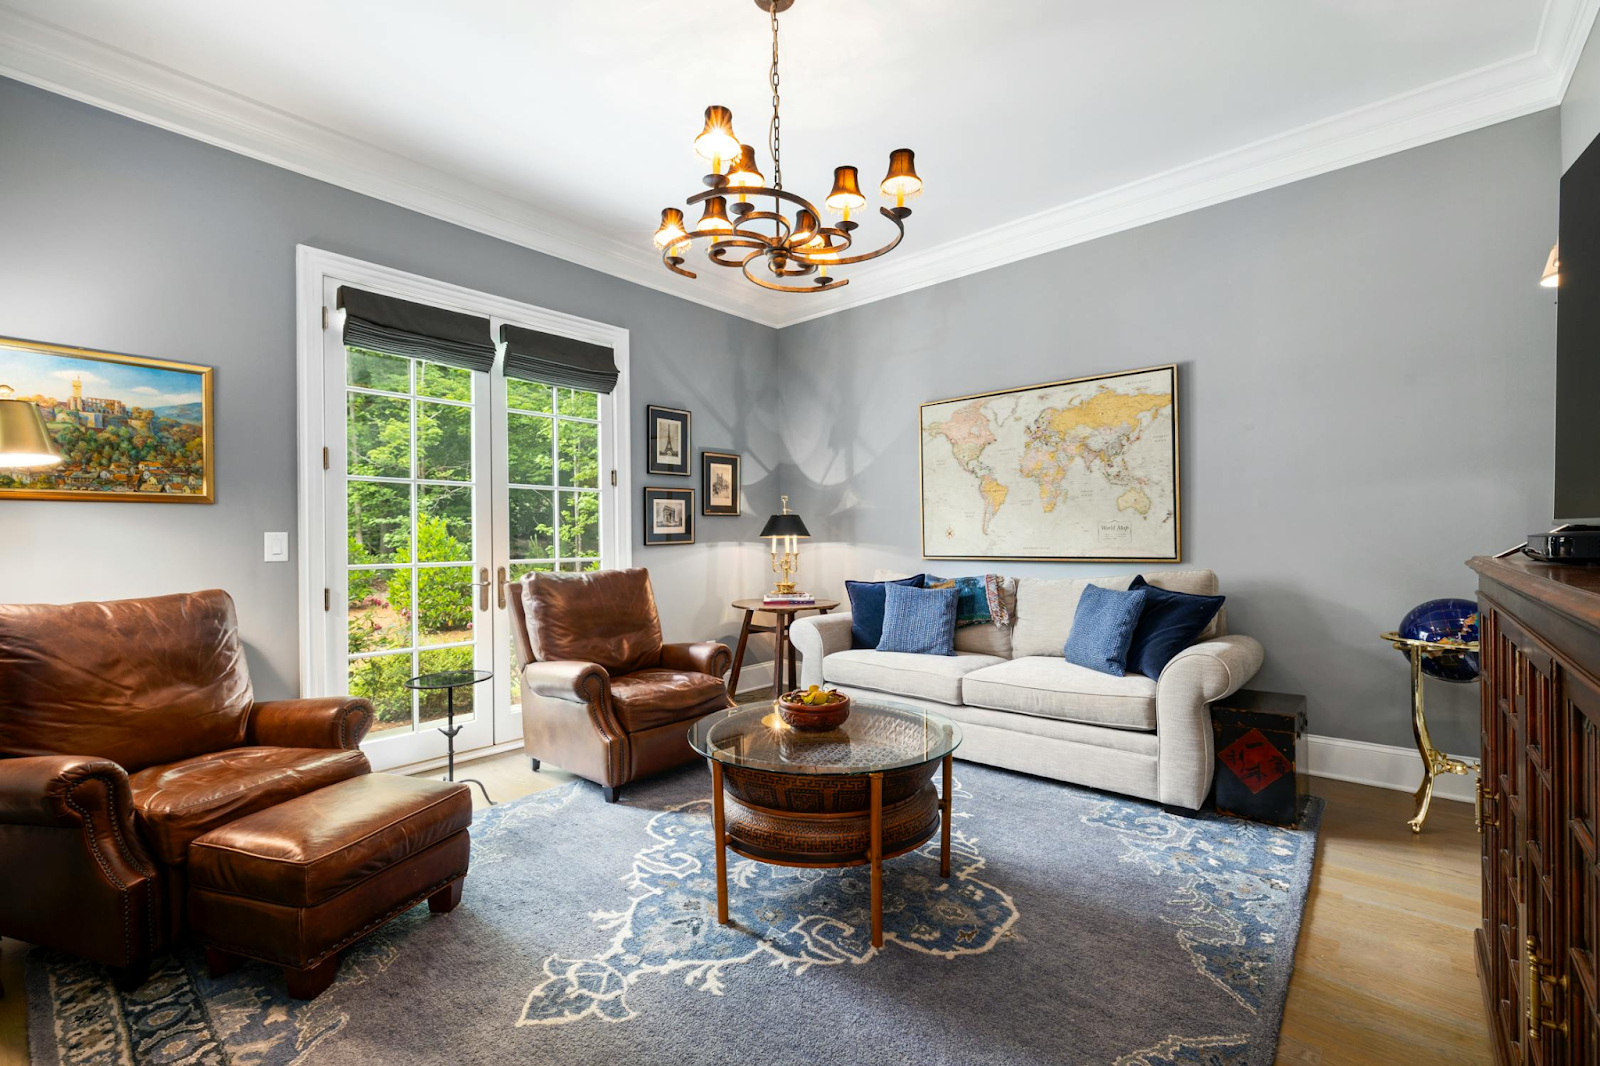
[(1037, 123)]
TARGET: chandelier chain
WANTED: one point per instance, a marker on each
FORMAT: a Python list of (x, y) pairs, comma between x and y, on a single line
[(775, 129)]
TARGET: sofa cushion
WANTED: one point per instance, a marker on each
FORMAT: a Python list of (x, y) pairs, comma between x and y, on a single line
[(1051, 687), (175, 803), (649, 698), (1102, 629), (1171, 621), (1045, 607), (898, 673), (919, 620), (992, 638), (866, 609)]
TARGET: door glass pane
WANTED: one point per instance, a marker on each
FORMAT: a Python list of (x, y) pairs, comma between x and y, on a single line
[(444, 524), (374, 370), (526, 396), (433, 704), (580, 525), (444, 442), (443, 382), (379, 436), (444, 605), (577, 404), (580, 454), (529, 449), (372, 622), (381, 679), (380, 521), (532, 523)]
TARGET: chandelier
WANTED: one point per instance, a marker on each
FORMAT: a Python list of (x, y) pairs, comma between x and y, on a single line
[(799, 245)]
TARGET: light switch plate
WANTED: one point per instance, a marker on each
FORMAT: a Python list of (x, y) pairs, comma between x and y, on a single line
[(275, 547)]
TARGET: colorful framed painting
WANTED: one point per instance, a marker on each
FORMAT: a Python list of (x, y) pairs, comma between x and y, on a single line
[(668, 430), (668, 516), (719, 484), (128, 428), (1084, 470)]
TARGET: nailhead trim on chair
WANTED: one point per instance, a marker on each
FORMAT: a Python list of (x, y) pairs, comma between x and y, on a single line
[(105, 867)]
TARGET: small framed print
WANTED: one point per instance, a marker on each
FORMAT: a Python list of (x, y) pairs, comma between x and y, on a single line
[(668, 430), (668, 516), (719, 483)]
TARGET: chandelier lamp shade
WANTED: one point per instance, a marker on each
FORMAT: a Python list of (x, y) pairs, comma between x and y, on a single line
[(24, 438), (786, 248)]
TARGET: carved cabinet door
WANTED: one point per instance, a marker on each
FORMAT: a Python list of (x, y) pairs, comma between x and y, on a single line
[(1567, 1017), (1503, 820), (1541, 936)]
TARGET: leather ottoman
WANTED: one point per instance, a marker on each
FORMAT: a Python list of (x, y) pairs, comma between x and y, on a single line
[(296, 884)]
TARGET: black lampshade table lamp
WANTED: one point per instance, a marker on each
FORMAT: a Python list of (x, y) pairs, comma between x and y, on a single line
[(788, 529)]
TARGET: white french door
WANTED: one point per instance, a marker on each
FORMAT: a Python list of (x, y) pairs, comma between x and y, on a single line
[(439, 487)]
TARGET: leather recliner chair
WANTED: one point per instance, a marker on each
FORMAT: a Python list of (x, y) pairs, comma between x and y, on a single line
[(128, 729), (602, 696)]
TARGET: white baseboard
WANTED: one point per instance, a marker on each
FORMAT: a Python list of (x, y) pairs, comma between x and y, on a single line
[(754, 677), (1384, 766)]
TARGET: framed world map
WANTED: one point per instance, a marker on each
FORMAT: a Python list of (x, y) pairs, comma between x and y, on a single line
[(1079, 470)]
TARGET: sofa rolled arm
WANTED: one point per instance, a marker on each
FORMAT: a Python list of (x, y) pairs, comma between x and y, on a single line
[(703, 657), (815, 637), (1194, 678), (316, 722), (567, 679), (63, 790)]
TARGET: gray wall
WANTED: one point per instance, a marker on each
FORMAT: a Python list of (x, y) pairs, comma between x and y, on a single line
[(1366, 383), (1580, 107), (124, 237)]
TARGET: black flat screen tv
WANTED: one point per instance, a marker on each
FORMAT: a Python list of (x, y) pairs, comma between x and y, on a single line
[(1578, 344)]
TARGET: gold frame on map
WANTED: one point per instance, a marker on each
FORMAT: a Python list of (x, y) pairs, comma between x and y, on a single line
[(1177, 476), (207, 419)]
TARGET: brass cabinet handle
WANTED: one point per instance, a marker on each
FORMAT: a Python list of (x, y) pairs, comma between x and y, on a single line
[(1479, 819), (1535, 992), (500, 586)]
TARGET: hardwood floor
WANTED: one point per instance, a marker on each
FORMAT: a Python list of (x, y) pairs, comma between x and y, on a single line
[(1384, 968)]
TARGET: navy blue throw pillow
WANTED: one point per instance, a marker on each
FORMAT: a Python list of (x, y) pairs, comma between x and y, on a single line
[(919, 620), (1103, 628), (866, 609), (1170, 623)]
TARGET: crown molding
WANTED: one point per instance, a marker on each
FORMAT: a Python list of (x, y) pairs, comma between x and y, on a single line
[(71, 65), (49, 57)]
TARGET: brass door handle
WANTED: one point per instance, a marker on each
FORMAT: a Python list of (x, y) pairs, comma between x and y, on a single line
[(483, 588), (500, 586)]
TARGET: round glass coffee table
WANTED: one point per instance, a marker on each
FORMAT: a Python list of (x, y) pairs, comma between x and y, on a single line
[(851, 796)]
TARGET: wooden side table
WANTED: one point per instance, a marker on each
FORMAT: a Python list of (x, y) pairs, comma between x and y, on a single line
[(781, 646)]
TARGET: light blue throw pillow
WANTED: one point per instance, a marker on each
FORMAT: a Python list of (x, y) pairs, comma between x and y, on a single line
[(919, 620), (1103, 628)]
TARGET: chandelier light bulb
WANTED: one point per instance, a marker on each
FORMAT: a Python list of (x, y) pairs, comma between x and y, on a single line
[(671, 231), (716, 141), (901, 183), (715, 217), (846, 195)]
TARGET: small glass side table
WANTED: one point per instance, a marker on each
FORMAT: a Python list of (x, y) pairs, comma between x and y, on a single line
[(1434, 761), (450, 680)]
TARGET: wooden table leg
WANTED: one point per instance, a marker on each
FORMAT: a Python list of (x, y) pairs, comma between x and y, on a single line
[(875, 845), (944, 823), (720, 841), (780, 638), (738, 655)]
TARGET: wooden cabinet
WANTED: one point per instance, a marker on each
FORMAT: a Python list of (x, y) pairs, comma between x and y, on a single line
[(1539, 629)]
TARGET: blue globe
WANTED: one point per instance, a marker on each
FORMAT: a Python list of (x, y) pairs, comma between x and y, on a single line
[(1447, 619)]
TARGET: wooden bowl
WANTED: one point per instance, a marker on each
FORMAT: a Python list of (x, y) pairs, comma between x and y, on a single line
[(810, 719)]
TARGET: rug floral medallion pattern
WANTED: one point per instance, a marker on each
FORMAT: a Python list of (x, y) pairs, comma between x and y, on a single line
[(1075, 927)]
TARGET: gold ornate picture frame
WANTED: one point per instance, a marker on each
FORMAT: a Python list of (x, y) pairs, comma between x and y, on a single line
[(130, 429)]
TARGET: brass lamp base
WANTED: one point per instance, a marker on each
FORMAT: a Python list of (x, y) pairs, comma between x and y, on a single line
[(783, 588)]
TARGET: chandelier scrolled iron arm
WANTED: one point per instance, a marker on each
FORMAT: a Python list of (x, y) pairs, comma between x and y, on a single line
[(798, 246)]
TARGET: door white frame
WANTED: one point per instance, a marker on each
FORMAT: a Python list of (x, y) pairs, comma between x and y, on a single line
[(314, 269)]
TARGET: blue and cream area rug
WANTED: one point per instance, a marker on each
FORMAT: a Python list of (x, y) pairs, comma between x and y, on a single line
[(1076, 927)]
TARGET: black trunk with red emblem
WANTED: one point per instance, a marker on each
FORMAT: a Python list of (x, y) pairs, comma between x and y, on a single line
[(1261, 755)]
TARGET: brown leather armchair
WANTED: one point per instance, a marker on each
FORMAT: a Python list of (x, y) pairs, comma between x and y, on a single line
[(128, 729), (602, 696)]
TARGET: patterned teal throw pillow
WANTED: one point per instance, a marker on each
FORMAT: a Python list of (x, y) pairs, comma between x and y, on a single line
[(972, 598), (1103, 628), (919, 620)]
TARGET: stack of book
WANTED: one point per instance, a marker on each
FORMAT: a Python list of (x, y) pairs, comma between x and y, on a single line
[(788, 599)]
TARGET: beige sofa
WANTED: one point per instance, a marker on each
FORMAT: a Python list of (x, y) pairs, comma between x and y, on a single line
[(1023, 707)]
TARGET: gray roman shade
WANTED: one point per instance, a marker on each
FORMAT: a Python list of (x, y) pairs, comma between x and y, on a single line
[(551, 360), (416, 331)]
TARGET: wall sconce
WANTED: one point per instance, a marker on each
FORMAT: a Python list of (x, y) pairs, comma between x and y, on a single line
[(1551, 277)]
